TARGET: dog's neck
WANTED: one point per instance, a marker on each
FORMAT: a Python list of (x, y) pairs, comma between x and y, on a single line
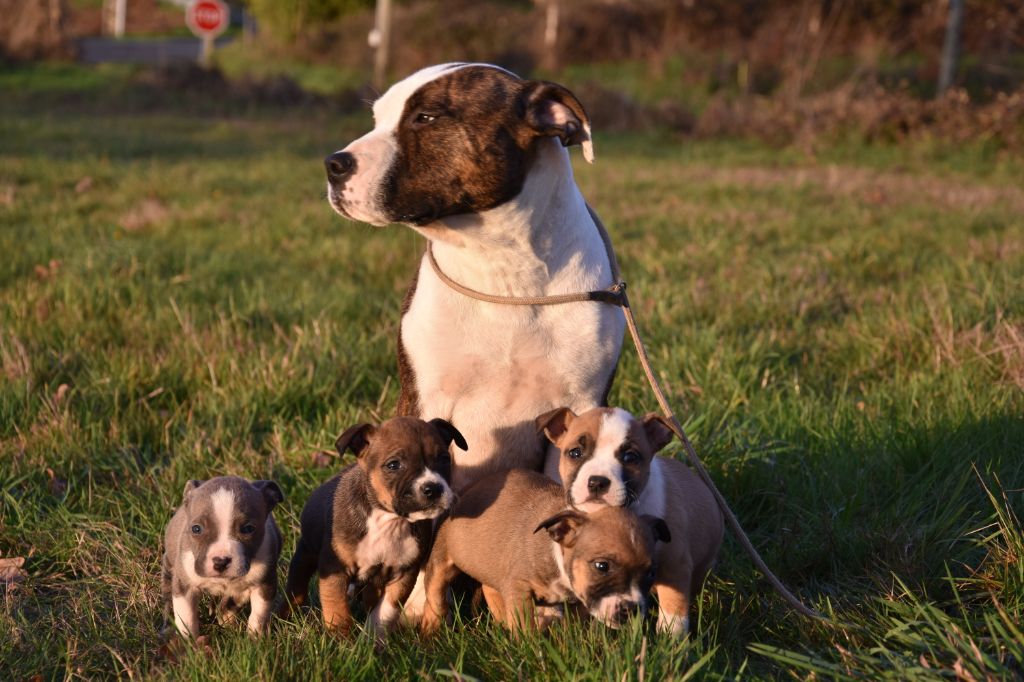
[(541, 242)]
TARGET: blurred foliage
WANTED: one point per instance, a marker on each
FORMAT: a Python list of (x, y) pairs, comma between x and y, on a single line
[(285, 19)]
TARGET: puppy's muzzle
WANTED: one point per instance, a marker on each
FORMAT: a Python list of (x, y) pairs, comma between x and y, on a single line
[(432, 491), (339, 166)]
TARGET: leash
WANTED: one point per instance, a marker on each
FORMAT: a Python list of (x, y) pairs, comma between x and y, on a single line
[(616, 295)]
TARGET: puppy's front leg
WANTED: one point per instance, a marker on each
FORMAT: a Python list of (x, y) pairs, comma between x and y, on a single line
[(186, 616), (384, 615), (673, 606), (261, 602), (334, 600)]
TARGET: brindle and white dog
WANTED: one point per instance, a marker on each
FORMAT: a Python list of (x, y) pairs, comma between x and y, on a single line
[(473, 157)]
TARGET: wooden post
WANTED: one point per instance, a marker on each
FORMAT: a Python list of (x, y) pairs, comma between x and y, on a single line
[(951, 46), (551, 35), (382, 37)]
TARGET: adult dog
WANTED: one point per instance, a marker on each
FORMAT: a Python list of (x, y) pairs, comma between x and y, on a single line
[(473, 157)]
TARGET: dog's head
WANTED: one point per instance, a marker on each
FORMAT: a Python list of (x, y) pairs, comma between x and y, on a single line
[(605, 453), (608, 557), (407, 462), (451, 139), (226, 520)]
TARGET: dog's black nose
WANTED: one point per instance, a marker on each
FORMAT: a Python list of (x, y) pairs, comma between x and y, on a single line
[(431, 491), (339, 165), (598, 484), (626, 610), (220, 563)]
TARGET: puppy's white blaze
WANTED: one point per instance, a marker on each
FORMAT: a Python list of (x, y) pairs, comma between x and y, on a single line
[(225, 545), (185, 619), (611, 433)]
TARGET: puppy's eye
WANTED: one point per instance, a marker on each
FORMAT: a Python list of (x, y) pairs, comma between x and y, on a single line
[(393, 464), (602, 566), (575, 453), (630, 457), (424, 118), (247, 529), (197, 529)]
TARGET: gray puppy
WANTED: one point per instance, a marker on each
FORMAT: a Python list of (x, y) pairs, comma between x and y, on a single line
[(223, 541)]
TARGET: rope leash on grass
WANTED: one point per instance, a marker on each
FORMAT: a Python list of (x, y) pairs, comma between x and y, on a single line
[(616, 295)]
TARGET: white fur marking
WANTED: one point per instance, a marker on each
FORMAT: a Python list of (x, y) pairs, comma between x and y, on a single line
[(611, 433), (185, 618), (388, 542)]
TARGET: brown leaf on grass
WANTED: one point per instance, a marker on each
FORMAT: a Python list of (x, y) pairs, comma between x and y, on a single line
[(56, 485), (7, 195), (11, 571), (48, 271), (83, 185), (323, 459), (146, 212), (62, 392)]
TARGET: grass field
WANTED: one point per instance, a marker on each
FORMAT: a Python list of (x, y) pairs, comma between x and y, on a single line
[(843, 333)]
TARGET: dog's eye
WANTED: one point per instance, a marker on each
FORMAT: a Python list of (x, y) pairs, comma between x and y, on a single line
[(575, 453), (630, 457), (247, 529), (423, 118), (602, 566), (393, 464), (197, 529)]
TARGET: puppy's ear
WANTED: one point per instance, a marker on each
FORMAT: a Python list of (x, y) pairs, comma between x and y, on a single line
[(658, 527), (554, 423), (189, 487), (449, 433), (271, 492), (659, 433), (552, 111), (355, 438), (563, 526)]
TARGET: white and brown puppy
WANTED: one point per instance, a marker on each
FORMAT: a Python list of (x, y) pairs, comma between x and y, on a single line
[(606, 456), (223, 541), (370, 526), (472, 157), (602, 560)]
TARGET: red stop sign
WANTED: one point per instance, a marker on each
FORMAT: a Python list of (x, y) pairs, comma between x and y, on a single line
[(207, 18)]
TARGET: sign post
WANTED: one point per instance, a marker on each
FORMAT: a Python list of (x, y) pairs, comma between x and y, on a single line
[(207, 19)]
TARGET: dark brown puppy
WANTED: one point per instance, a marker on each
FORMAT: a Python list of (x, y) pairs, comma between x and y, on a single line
[(603, 560), (370, 525), (606, 457)]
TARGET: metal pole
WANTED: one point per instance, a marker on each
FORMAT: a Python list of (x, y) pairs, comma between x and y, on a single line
[(120, 16), (383, 35), (951, 46)]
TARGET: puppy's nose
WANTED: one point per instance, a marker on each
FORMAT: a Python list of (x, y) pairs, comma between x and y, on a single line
[(220, 563), (626, 610), (339, 165), (598, 484), (431, 491)]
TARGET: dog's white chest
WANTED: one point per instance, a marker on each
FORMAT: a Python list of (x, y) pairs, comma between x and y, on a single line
[(388, 543)]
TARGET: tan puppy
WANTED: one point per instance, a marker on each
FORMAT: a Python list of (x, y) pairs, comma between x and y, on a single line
[(370, 525), (605, 456), (604, 560)]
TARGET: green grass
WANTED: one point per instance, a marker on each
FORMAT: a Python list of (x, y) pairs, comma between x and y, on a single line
[(844, 336)]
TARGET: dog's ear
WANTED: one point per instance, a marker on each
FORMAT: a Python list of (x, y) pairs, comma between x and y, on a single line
[(355, 438), (271, 492), (658, 432), (449, 433), (658, 527), (562, 527), (552, 111), (554, 423), (189, 487)]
